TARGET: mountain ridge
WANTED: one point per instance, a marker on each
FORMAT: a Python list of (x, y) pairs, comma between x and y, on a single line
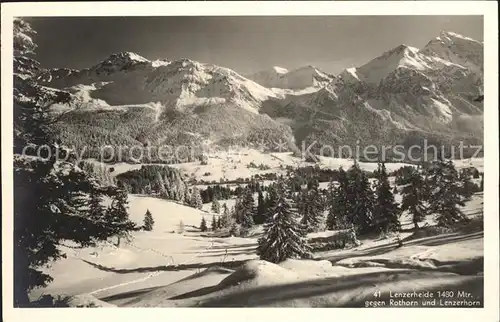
[(403, 95)]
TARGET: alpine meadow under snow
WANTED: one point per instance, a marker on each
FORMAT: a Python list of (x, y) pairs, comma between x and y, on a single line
[(244, 217)]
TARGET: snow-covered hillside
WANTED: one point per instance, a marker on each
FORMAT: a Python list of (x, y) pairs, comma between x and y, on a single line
[(167, 267), (234, 164)]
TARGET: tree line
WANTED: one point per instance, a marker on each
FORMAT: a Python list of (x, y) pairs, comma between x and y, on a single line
[(351, 202), (434, 188)]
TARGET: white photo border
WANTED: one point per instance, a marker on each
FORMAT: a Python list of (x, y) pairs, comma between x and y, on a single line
[(488, 9)]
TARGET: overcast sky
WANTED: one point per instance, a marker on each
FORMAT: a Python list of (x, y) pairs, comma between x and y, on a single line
[(245, 44)]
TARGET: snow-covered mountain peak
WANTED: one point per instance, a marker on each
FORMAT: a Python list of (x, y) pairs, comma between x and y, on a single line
[(121, 59), (185, 64), (160, 62), (300, 78), (375, 70), (401, 50), (280, 70), (451, 36), (456, 49)]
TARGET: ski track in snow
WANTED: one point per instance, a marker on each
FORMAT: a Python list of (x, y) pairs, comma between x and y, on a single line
[(142, 279), (423, 255)]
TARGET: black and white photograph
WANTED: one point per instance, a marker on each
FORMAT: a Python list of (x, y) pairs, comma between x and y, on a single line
[(263, 161)]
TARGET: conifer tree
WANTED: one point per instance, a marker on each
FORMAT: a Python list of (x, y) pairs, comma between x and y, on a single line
[(247, 209), (219, 223), (32, 120), (226, 219), (181, 227), (214, 223), (301, 201), (117, 214), (331, 217), (414, 198), (260, 217), (196, 201), (312, 215), (159, 184), (386, 211), (54, 206), (283, 236), (203, 225), (186, 196), (360, 200), (97, 211), (475, 173), (148, 221), (446, 198), (468, 188), (233, 229), (271, 200), (236, 210), (54, 199), (338, 202), (215, 206)]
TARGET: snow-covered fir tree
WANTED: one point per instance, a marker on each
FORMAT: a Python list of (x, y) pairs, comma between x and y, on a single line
[(360, 200), (159, 186), (386, 211), (97, 211), (468, 188), (148, 221), (215, 206), (226, 219), (312, 207), (446, 198), (180, 229), (414, 198), (260, 216), (213, 225), (117, 214), (203, 225), (283, 236), (246, 209), (300, 199), (236, 210), (337, 217), (271, 200), (195, 199), (186, 198), (57, 202), (55, 206), (233, 229)]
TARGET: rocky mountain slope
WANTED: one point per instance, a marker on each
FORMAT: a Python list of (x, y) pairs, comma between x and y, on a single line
[(403, 96), (127, 100)]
